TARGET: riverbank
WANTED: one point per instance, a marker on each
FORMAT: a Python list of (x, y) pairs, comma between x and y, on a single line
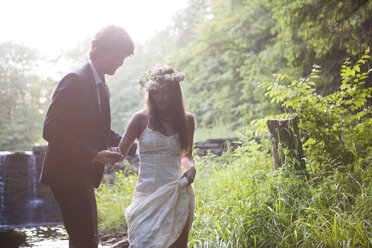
[(55, 236)]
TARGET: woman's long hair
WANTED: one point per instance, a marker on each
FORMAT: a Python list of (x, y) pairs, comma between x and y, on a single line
[(177, 109)]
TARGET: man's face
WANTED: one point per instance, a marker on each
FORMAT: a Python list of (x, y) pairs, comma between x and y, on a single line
[(112, 60)]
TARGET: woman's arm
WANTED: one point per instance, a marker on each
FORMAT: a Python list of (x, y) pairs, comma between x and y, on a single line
[(132, 132), (187, 158)]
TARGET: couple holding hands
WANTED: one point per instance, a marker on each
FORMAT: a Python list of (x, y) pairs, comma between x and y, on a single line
[(80, 142)]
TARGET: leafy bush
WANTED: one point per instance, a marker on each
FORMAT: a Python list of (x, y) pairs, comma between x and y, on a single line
[(338, 127)]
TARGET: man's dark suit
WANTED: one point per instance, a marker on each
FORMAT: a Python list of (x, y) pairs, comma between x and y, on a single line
[(76, 129)]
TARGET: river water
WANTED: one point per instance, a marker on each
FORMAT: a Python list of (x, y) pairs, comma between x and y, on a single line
[(47, 237)]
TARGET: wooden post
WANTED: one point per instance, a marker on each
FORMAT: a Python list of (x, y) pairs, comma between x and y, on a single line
[(286, 143)]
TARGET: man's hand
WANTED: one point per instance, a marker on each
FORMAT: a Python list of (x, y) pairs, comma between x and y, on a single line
[(117, 149), (108, 157), (190, 174)]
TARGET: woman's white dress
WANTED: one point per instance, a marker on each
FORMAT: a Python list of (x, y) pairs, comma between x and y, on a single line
[(161, 204)]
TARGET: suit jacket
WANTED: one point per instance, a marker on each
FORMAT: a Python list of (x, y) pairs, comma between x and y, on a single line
[(76, 130)]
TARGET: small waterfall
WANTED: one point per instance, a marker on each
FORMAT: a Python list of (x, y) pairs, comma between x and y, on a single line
[(32, 188), (23, 201), (31, 166)]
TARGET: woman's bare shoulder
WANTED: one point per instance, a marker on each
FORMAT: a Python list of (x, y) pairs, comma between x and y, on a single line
[(190, 117), (141, 115), (137, 123), (139, 118)]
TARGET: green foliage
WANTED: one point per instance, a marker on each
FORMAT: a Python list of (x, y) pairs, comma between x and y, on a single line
[(112, 199), (337, 126), (23, 98), (225, 47), (320, 27), (324, 33), (223, 62), (232, 45)]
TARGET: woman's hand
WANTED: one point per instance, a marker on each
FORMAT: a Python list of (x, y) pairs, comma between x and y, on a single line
[(114, 149), (190, 174), (108, 157), (117, 150)]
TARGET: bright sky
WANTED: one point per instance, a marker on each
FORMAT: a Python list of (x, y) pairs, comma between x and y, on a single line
[(54, 25)]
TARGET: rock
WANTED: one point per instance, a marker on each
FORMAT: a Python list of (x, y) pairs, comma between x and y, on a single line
[(121, 244), (106, 237), (112, 240), (132, 150), (12, 239), (39, 150), (214, 146)]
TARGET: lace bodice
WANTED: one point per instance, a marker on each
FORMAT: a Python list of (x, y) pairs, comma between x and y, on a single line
[(155, 143)]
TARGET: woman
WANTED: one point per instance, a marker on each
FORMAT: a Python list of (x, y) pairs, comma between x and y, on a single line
[(162, 208)]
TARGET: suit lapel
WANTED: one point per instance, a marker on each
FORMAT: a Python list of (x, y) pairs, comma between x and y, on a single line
[(98, 120), (106, 108), (92, 88)]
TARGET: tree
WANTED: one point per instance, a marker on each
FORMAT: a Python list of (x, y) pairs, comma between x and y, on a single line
[(226, 59), (23, 98), (323, 33)]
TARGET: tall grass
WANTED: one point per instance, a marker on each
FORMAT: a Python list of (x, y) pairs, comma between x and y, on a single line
[(243, 202), (112, 199)]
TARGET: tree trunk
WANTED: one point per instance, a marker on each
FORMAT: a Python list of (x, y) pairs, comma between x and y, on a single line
[(287, 146)]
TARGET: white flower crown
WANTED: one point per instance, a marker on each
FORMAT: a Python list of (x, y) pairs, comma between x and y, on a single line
[(150, 82)]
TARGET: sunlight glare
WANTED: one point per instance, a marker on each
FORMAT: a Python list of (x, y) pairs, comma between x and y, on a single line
[(51, 26)]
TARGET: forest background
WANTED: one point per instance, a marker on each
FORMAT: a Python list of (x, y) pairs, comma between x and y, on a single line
[(227, 49), (246, 61)]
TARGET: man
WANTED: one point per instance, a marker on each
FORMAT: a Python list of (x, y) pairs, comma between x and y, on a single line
[(78, 130)]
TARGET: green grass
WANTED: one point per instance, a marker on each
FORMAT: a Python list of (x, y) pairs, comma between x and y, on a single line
[(243, 202), (112, 199)]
